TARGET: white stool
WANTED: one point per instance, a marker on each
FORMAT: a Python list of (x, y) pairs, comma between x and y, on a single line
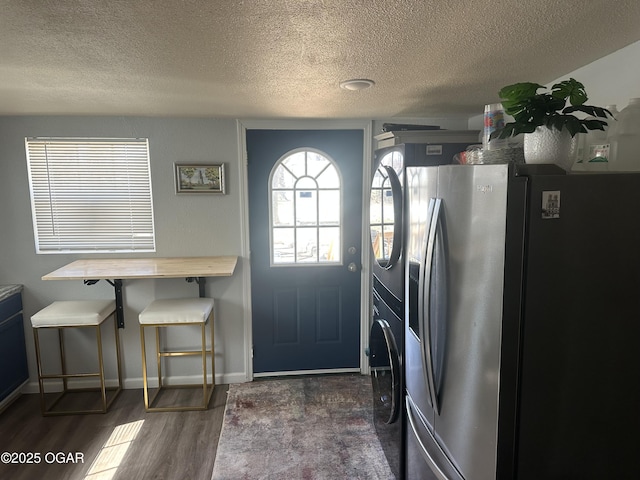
[(76, 314), (172, 313)]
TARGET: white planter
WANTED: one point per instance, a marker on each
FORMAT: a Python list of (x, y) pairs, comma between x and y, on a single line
[(550, 146)]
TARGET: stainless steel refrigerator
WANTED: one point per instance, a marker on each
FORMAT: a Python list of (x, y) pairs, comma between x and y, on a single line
[(522, 332), (386, 222)]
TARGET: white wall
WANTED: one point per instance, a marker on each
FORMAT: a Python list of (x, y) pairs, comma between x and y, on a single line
[(185, 226), (611, 80)]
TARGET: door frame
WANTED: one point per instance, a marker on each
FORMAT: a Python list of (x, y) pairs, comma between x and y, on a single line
[(365, 273)]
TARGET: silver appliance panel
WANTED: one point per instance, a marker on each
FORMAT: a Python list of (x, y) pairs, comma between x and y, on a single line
[(457, 223), (475, 204)]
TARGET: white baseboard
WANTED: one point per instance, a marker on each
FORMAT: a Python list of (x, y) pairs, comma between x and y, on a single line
[(9, 399), (307, 372), (132, 383), (135, 383)]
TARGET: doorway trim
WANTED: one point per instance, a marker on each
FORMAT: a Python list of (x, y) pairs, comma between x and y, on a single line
[(365, 273)]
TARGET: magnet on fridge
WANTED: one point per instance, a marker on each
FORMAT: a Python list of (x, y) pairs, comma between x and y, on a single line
[(551, 204)]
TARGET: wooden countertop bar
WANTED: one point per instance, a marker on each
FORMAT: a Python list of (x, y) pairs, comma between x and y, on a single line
[(115, 270), (123, 268)]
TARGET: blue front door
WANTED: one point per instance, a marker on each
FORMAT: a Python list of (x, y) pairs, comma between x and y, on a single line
[(305, 215)]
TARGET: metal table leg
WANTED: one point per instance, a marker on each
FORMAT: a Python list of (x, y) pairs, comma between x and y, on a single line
[(117, 285), (201, 281)]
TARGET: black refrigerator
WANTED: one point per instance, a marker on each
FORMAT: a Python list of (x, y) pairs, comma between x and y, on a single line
[(522, 332)]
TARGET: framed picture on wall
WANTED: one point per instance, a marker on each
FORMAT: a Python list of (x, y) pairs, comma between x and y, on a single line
[(199, 178)]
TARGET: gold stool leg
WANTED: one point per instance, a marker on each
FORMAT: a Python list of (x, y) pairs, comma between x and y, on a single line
[(36, 340), (203, 333), (159, 357), (118, 387), (103, 387), (145, 384), (213, 353), (63, 358)]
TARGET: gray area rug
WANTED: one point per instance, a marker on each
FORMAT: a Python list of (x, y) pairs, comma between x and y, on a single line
[(311, 428)]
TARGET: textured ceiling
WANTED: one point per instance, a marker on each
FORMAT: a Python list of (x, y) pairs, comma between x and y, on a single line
[(285, 58)]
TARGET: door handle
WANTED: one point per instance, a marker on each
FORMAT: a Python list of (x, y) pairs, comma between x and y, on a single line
[(429, 352), (352, 267), (424, 302)]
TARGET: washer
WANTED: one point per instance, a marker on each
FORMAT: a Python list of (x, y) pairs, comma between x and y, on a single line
[(385, 360)]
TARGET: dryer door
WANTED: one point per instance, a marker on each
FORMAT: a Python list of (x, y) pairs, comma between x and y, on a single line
[(385, 372), (385, 210)]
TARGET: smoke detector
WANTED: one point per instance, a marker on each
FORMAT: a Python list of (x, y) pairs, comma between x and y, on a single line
[(357, 84)]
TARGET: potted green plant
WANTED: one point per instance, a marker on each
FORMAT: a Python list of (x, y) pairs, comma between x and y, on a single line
[(546, 120)]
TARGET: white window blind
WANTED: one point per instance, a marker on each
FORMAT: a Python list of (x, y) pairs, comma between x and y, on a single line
[(90, 195)]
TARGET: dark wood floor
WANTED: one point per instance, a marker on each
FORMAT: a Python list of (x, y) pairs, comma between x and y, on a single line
[(167, 446)]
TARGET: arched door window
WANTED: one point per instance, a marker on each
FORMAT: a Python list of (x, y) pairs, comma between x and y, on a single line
[(305, 210)]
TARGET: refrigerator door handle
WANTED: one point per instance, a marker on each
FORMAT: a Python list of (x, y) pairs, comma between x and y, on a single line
[(422, 284), (424, 301)]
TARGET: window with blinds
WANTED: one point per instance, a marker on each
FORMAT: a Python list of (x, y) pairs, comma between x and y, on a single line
[(90, 195)]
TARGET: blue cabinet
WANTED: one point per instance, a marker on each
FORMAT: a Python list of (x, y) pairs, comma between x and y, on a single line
[(14, 371)]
